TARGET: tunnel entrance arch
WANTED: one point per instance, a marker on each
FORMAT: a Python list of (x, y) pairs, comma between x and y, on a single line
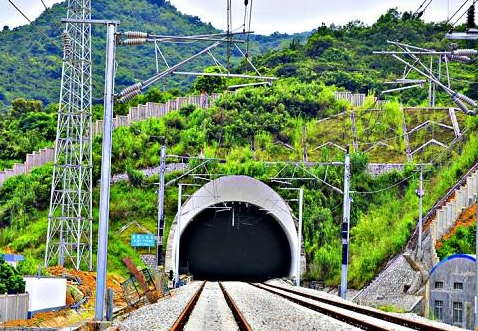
[(231, 227)]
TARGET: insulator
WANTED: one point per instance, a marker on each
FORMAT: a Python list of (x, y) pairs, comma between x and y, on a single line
[(129, 96), (465, 52), (466, 99), (135, 41), (461, 105), (246, 2), (460, 59), (135, 34), (135, 87)]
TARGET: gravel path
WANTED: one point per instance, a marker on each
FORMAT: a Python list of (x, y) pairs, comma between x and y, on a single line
[(161, 315), (211, 312), (267, 312)]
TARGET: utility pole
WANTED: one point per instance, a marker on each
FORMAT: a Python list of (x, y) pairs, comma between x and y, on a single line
[(476, 252), (345, 226), (178, 235), (159, 238), (105, 171), (299, 236), (420, 195)]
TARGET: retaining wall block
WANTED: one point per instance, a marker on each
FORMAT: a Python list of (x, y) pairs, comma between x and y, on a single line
[(29, 162), (19, 168)]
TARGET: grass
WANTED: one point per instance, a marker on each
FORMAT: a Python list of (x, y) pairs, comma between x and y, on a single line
[(391, 309)]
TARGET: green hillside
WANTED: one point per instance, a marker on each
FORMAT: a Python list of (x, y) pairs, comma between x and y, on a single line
[(244, 128), (30, 65), (256, 125)]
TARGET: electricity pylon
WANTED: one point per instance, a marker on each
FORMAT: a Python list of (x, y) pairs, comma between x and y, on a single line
[(69, 239)]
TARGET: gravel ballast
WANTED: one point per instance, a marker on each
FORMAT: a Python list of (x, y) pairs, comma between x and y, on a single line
[(161, 315), (413, 317), (268, 312), (211, 312)]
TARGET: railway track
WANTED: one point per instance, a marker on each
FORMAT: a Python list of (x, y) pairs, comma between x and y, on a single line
[(362, 317), (237, 306), (198, 315)]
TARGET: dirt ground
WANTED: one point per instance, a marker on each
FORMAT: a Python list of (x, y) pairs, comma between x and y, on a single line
[(75, 292), (467, 218)]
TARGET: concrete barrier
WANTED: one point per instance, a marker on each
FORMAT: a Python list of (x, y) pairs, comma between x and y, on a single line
[(13, 307)]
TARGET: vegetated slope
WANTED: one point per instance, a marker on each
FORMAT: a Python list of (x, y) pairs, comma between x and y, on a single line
[(244, 128), (335, 55), (343, 56), (30, 65)]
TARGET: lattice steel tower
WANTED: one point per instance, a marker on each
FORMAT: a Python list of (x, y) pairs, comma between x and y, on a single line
[(69, 239)]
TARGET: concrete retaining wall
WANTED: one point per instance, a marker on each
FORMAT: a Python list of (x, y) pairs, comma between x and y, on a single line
[(447, 215)]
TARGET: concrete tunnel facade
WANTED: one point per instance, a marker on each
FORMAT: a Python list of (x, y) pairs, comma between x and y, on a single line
[(235, 227)]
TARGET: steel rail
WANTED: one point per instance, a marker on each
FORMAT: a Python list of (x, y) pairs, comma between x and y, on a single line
[(238, 316), (329, 311), (184, 317), (416, 325)]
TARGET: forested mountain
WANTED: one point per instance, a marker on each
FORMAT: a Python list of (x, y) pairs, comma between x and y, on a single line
[(30, 65)]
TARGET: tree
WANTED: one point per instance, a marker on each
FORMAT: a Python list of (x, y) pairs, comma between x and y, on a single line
[(210, 84), (21, 107), (11, 281), (317, 44)]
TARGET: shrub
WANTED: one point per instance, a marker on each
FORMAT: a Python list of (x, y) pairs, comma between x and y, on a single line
[(11, 281)]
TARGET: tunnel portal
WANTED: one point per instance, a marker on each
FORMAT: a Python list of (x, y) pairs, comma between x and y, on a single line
[(234, 241), (234, 228)]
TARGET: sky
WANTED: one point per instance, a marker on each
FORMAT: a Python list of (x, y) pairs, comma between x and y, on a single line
[(268, 16)]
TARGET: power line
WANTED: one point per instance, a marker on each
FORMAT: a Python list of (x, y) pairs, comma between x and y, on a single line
[(463, 14), (43, 4), (386, 188), (416, 11), (44, 34), (427, 5), (419, 13), (457, 11)]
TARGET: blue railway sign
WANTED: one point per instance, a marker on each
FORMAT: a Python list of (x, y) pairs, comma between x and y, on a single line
[(142, 240)]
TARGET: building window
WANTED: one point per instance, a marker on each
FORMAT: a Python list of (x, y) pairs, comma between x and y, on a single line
[(439, 309), (438, 284), (458, 286), (458, 312)]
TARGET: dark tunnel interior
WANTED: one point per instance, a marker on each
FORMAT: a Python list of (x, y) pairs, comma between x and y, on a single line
[(234, 241)]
